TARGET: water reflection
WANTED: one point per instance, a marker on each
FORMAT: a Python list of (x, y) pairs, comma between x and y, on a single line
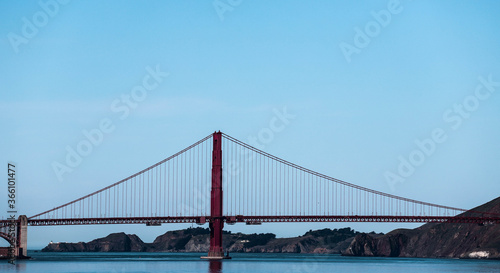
[(215, 266), (18, 267)]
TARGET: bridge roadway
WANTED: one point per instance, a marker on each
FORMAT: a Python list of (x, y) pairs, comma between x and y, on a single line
[(153, 221)]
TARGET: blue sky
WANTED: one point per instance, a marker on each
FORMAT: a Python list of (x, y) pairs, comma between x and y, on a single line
[(228, 71)]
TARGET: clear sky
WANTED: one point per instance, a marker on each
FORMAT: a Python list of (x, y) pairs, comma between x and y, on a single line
[(364, 80)]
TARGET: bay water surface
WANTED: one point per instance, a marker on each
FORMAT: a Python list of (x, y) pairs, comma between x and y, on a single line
[(240, 262)]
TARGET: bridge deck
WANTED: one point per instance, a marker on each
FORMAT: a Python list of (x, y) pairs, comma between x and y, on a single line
[(152, 221)]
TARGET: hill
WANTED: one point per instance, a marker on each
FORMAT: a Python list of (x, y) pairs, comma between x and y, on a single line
[(198, 240), (435, 240)]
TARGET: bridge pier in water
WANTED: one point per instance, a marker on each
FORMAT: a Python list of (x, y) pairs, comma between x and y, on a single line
[(217, 223), (22, 237), (20, 242)]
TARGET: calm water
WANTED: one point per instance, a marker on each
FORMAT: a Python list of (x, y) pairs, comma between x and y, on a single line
[(190, 262)]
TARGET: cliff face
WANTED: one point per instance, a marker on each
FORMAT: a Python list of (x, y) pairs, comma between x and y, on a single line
[(435, 240), (319, 241), (187, 240), (198, 240)]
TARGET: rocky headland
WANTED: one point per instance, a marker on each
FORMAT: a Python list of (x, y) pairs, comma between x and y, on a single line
[(198, 240), (442, 240)]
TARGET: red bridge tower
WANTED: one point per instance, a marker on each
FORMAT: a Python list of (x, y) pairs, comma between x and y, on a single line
[(217, 221)]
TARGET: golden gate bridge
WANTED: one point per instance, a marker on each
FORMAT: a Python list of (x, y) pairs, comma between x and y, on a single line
[(222, 180)]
